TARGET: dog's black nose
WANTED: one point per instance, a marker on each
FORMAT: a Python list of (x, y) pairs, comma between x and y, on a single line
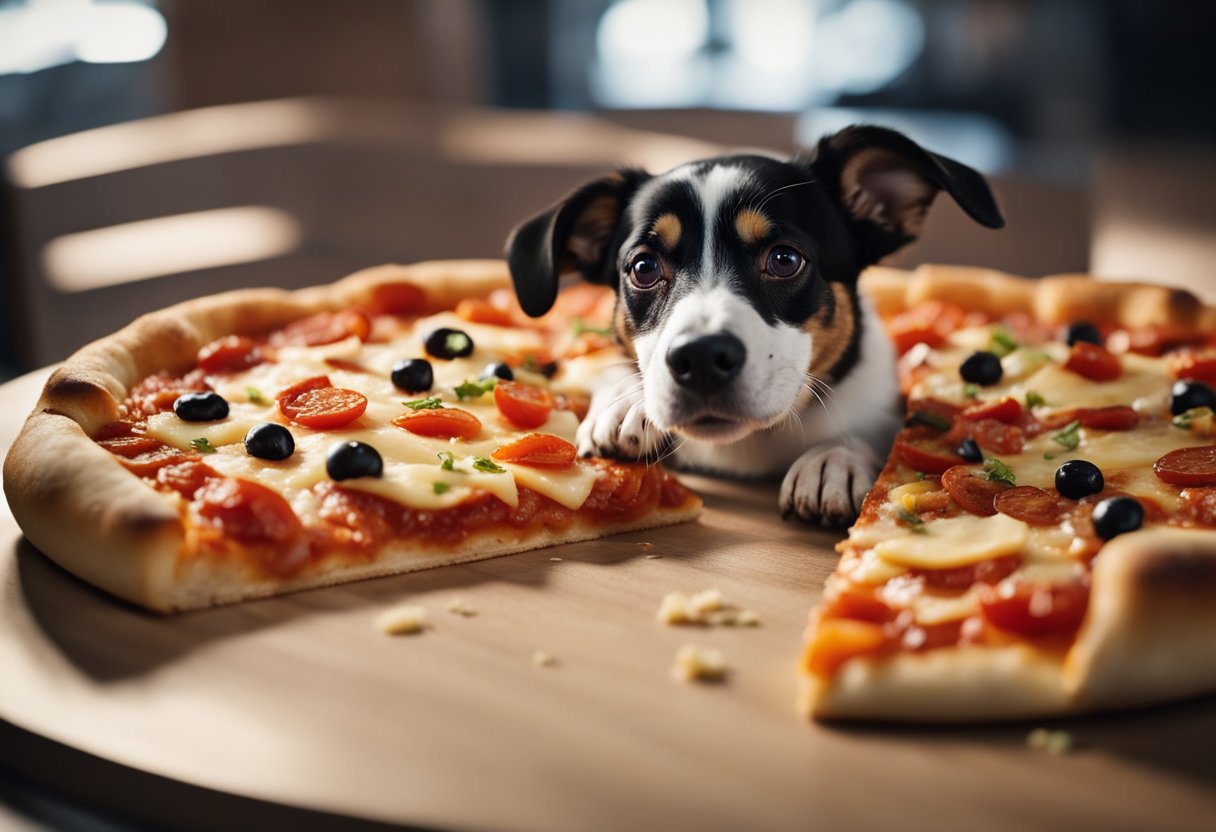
[(705, 364)]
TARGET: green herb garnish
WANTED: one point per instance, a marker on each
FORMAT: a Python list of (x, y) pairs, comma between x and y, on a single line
[(928, 417), (1186, 419), (487, 466), (1070, 436), (473, 389), (1001, 342), (578, 327), (255, 395), (971, 391), (429, 403), (446, 461), (1049, 456), (1033, 399), (439, 487), (915, 524), (998, 471), (920, 476), (203, 445)]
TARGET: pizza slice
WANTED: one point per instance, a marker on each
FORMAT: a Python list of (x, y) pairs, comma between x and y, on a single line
[(1042, 539), (261, 442)]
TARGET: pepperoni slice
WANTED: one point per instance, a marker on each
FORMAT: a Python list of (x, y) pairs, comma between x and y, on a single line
[(255, 514), (929, 456), (315, 403), (542, 450), (445, 422), (1093, 362), (996, 436), (323, 328), (930, 322), (397, 299), (1188, 466), (1031, 505), (481, 311), (228, 354), (974, 493), (1007, 411), (859, 604), (1113, 417)]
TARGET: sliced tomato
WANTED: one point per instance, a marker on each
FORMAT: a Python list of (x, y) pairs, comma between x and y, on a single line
[(445, 422), (397, 299), (929, 323), (229, 354), (1154, 340), (1031, 505), (523, 404), (289, 393), (1114, 417), (481, 311), (1007, 411), (1035, 609), (937, 407), (255, 515), (1188, 466), (1093, 362), (541, 450), (972, 490), (323, 328), (1199, 365), (839, 639), (576, 403)]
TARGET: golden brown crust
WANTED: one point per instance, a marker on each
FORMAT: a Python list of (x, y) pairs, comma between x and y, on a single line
[(83, 509), (1054, 299)]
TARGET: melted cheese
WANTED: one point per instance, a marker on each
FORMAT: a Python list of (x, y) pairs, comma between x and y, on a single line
[(954, 541), (411, 463)]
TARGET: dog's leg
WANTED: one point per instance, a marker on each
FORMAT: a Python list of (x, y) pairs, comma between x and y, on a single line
[(616, 425), (827, 483)]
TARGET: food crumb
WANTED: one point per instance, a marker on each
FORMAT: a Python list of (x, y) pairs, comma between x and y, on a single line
[(555, 560), (707, 608), (403, 620), (1053, 742), (543, 659), (653, 557), (699, 664), (457, 607)]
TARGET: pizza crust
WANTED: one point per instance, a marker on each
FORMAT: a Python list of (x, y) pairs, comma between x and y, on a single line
[(80, 506), (1055, 299)]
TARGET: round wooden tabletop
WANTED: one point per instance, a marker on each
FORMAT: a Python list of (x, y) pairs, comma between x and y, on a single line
[(300, 701)]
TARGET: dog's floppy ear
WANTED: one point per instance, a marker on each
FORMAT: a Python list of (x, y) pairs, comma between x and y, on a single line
[(886, 183), (572, 236)]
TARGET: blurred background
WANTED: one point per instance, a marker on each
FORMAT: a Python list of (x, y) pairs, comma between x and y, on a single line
[(155, 150)]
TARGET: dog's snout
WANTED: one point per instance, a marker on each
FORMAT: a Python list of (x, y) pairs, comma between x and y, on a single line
[(706, 363)]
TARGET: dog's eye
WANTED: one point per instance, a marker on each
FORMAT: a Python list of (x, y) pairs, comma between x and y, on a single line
[(783, 261), (645, 271)]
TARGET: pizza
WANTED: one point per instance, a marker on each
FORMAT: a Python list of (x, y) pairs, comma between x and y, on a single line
[(1042, 539), (262, 441)]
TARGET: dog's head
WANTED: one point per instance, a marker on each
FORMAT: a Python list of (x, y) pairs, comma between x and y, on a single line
[(737, 276)]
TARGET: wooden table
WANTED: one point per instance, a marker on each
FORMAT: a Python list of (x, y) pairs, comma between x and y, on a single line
[(301, 703)]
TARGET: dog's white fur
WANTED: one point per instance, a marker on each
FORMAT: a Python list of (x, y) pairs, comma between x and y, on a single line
[(828, 441)]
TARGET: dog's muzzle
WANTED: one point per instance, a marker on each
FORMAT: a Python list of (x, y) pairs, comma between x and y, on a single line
[(705, 364)]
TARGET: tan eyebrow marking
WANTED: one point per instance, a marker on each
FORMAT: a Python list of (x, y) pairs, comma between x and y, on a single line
[(752, 225), (669, 229)]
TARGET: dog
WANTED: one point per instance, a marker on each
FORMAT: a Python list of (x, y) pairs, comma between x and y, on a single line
[(753, 353)]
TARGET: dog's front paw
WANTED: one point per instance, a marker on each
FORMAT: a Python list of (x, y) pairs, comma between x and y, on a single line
[(826, 484), (619, 429)]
